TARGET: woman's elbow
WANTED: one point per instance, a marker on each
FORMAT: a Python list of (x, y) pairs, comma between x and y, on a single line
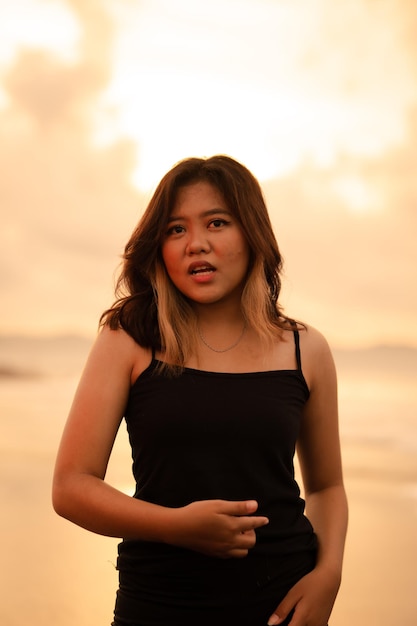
[(61, 496)]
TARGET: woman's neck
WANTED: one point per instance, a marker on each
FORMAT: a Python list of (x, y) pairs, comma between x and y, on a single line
[(219, 315)]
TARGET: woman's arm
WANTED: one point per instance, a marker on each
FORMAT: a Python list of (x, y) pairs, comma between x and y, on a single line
[(320, 456), (312, 598), (80, 493)]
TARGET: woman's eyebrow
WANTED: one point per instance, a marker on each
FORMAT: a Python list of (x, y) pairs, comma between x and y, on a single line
[(174, 218)]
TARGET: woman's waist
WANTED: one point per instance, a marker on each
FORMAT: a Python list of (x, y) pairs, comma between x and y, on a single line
[(284, 510), (152, 565), (149, 556)]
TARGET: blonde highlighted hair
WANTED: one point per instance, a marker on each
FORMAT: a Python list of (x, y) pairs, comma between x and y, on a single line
[(151, 309)]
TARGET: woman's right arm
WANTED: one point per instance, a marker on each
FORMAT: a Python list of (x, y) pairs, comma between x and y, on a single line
[(80, 493)]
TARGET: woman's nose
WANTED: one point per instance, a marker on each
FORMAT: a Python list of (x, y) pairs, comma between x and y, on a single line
[(197, 242)]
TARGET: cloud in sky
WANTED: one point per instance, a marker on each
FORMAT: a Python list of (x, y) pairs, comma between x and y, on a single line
[(273, 80), (67, 205), (346, 224), (348, 234)]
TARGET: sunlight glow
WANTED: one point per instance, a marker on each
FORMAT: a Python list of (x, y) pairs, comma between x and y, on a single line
[(318, 99), (179, 90), (271, 131), (219, 118), (358, 195), (46, 25)]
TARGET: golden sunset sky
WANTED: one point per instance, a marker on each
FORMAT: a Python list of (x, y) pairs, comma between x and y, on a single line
[(98, 98)]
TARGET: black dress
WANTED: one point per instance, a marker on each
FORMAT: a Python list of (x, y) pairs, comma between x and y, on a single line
[(209, 435)]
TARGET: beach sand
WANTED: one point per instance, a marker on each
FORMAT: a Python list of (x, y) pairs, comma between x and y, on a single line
[(55, 573), (380, 571)]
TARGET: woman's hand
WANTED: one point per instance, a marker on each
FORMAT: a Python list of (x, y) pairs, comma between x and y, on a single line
[(311, 599), (218, 528)]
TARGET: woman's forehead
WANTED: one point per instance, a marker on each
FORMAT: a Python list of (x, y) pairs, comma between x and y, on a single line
[(198, 192)]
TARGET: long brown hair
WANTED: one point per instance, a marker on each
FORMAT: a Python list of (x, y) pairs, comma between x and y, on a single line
[(150, 308)]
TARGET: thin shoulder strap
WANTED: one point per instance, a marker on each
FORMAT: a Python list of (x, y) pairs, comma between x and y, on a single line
[(297, 349)]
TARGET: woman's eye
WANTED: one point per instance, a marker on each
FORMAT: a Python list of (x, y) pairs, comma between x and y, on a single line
[(217, 223), (177, 229)]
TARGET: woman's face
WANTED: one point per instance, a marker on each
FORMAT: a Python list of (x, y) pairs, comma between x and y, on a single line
[(204, 249)]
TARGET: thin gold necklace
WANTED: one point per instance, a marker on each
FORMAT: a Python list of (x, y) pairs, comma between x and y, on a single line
[(238, 340)]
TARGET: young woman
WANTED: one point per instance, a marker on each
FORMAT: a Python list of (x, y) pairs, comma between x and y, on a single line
[(218, 388)]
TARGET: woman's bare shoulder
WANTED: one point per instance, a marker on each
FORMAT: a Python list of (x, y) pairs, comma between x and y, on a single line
[(120, 349), (312, 338), (316, 355)]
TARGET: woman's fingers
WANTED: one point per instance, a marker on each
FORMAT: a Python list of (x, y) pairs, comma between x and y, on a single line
[(219, 527), (243, 511)]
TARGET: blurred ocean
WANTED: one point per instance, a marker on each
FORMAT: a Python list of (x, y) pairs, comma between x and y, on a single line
[(377, 391), (55, 573)]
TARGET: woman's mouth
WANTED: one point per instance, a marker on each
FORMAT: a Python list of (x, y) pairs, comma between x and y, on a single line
[(198, 269)]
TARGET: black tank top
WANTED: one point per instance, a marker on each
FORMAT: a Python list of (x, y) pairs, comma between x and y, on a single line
[(209, 435)]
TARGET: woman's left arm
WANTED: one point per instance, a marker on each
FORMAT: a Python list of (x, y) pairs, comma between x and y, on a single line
[(318, 449)]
